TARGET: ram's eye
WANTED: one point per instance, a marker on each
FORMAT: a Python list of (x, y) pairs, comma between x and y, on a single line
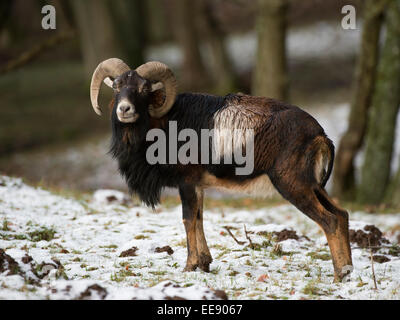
[(117, 84)]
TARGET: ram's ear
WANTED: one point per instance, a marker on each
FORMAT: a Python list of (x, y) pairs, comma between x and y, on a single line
[(109, 82), (156, 86), (157, 97), (143, 86)]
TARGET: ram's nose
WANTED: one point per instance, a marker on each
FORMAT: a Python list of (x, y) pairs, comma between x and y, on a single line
[(125, 108), (126, 112)]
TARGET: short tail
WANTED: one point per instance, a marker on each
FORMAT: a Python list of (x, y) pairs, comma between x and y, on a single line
[(324, 154), (331, 156)]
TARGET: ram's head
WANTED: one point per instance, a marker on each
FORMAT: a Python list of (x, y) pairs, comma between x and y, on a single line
[(132, 87)]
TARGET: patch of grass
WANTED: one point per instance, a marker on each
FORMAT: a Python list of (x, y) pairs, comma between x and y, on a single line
[(148, 231), (122, 275), (394, 250), (81, 196), (233, 273), (124, 264), (61, 274), (361, 284), (5, 226), (275, 297), (215, 271), (248, 263), (141, 237), (92, 269), (13, 236), (158, 273), (43, 233), (320, 256), (216, 246), (311, 289), (182, 243), (223, 252), (111, 246), (278, 252), (259, 221)]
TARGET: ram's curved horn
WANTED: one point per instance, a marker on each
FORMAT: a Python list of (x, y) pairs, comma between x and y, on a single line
[(158, 71), (113, 68)]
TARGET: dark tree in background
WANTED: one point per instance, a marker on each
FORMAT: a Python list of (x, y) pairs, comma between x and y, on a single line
[(270, 76), (194, 74), (352, 140), (129, 19), (222, 68), (382, 119), (392, 196), (98, 34), (5, 10), (157, 28)]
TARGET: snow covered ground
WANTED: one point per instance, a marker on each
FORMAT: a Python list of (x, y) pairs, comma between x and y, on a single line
[(56, 247)]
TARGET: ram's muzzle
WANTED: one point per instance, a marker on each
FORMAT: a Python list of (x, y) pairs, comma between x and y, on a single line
[(126, 111)]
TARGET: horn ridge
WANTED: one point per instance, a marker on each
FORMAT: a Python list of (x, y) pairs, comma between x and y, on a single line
[(112, 67)]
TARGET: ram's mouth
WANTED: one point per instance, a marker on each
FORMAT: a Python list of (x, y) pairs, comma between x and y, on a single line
[(129, 119)]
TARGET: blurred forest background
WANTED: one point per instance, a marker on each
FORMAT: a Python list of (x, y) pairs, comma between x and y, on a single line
[(292, 50)]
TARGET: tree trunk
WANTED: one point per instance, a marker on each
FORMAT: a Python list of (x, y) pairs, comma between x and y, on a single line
[(129, 19), (382, 120), (157, 27), (392, 196), (270, 76), (223, 73), (343, 175), (194, 74), (97, 33), (5, 11)]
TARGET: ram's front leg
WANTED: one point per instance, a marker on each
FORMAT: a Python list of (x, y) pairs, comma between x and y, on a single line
[(189, 215), (202, 248)]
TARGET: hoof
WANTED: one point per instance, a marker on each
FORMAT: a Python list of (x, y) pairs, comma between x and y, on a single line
[(344, 274), (205, 267), (205, 261), (190, 267)]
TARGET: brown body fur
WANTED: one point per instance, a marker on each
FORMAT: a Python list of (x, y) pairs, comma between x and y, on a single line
[(298, 170), (292, 155)]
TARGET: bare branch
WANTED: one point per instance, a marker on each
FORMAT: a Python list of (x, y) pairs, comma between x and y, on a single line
[(34, 52), (234, 238)]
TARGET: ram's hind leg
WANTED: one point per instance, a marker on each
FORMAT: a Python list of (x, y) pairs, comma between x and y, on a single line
[(204, 253), (338, 236), (314, 202)]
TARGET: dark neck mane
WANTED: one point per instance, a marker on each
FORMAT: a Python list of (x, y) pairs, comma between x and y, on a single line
[(128, 146)]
